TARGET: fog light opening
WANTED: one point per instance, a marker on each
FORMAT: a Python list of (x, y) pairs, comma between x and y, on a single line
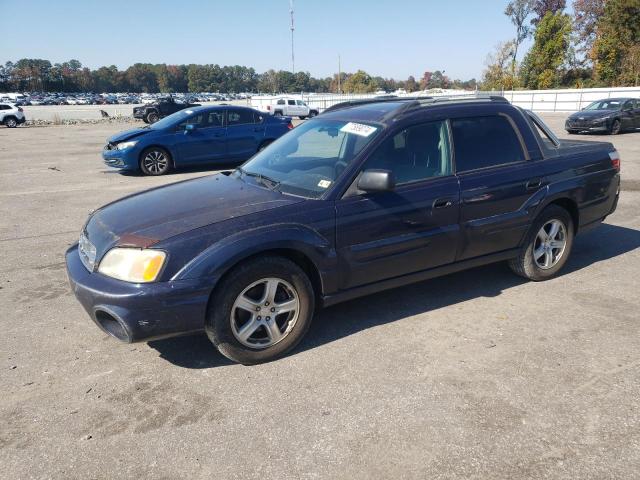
[(111, 325)]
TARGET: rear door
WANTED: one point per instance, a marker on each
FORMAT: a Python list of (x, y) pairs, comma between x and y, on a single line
[(496, 179), (415, 227), (243, 133)]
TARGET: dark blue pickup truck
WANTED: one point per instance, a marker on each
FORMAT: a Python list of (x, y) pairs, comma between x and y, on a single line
[(367, 196)]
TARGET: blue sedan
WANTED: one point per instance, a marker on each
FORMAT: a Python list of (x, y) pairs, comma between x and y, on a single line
[(194, 136)]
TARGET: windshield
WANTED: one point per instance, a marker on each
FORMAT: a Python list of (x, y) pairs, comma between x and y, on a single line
[(171, 120), (310, 158), (605, 105)]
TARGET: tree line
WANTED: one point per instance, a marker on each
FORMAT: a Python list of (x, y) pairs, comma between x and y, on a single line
[(30, 74), (598, 45)]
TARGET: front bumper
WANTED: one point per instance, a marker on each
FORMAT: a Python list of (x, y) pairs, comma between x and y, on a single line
[(584, 126), (123, 159), (134, 312)]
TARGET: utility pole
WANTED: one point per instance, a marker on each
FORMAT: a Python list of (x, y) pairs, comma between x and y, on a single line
[(339, 75), (293, 62)]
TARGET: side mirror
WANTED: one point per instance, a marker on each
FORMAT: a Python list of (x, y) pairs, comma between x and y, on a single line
[(189, 127), (374, 180)]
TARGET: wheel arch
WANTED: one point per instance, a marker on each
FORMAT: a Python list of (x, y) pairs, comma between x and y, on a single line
[(570, 206), (296, 256)]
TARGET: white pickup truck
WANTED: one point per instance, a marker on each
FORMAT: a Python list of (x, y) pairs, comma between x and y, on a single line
[(284, 106)]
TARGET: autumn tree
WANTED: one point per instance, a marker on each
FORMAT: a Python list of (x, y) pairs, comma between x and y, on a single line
[(542, 7), (499, 74), (360, 82), (586, 14)]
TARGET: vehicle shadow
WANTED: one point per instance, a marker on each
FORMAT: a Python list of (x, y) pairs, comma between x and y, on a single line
[(208, 168), (343, 320)]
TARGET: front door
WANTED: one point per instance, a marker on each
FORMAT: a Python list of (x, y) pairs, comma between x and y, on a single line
[(206, 142), (412, 228)]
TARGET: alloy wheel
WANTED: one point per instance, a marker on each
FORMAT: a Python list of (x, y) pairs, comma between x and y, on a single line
[(265, 313), (155, 162), (550, 244)]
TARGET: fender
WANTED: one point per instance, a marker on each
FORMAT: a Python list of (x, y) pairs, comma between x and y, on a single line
[(216, 260)]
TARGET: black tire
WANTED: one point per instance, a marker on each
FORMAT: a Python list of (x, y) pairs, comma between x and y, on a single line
[(616, 127), (151, 117), (302, 117), (313, 113), (572, 132), (155, 161), (218, 324), (525, 265), (11, 122), (277, 113)]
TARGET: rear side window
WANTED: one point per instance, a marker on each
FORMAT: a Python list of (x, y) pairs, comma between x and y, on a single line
[(239, 117), (280, 102), (291, 102), (481, 142)]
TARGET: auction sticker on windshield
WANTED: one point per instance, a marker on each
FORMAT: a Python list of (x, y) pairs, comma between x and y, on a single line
[(358, 129)]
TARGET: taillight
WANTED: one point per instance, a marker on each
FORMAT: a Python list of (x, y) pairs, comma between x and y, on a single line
[(290, 125), (615, 159)]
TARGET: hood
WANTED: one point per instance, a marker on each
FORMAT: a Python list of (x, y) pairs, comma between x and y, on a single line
[(591, 114), (128, 134), (147, 218)]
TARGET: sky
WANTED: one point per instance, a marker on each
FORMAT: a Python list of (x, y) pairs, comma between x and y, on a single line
[(387, 38)]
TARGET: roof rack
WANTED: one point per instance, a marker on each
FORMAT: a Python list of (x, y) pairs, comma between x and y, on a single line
[(413, 103), (365, 101)]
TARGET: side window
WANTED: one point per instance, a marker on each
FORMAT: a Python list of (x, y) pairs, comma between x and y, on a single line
[(414, 154), (484, 142), (200, 120), (215, 118), (239, 117), (299, 102), (280, 102), (291, 102)]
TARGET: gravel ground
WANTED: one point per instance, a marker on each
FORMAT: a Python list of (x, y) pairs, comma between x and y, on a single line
[(476, 375)]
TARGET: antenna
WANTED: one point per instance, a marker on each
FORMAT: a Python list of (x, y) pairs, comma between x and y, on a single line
[(293, 62)]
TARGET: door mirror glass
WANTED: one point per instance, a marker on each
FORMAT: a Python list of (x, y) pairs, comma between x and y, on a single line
[(189, 127), (376, 180)]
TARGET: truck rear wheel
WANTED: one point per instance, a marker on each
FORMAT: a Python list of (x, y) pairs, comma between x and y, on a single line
[(547, 245)]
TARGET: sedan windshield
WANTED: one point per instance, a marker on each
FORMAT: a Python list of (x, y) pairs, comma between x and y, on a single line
[(310, 158), (171, 120), (605, 105)]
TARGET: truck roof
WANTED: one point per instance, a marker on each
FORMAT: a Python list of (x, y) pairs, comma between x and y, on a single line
[(384, 109)]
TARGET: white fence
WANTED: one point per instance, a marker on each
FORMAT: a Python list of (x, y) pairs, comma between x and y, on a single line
[(564, 100)]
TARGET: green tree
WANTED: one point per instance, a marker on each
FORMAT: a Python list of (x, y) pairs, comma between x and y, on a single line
[(499, 73), (616, 47), (541, 66), (360, 82)]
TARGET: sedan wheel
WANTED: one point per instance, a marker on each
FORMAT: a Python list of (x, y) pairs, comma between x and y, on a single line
[(265, 313), (155, 162), (11, 123), (550, 244), (616, 127)]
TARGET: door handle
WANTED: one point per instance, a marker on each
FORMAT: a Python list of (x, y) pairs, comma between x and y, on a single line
[(442, 203), (534, 184)]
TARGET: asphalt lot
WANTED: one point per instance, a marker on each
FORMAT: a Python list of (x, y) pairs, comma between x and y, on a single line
[(477, 375)]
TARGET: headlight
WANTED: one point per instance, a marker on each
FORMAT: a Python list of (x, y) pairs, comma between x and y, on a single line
[(123, 145), (132, 264)]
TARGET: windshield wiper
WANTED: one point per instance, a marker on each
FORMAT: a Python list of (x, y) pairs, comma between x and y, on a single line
[(275, 184)]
